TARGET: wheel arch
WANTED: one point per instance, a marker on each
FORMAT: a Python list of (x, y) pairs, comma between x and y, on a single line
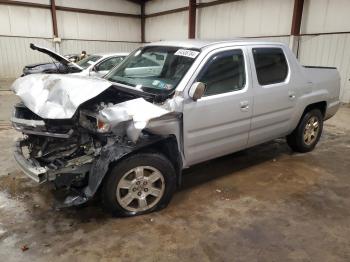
[(166, 145), (322, 106)]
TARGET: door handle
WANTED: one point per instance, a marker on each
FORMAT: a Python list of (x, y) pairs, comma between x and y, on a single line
[(244, 106), (291, 95)]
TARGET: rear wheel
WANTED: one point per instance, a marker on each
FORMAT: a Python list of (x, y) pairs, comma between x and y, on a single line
[(308, 132), (139, 184)]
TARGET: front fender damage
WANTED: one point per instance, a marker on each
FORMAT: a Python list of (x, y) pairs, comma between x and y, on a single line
[(71, 137), (109, 154)]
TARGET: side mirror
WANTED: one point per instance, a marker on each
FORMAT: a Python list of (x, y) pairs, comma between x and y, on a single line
[(197, 90)]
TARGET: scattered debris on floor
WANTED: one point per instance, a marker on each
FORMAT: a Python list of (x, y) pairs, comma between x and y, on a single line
[(24, 248)]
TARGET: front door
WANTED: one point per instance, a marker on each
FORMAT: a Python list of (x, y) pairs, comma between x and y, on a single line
[(219, 122)]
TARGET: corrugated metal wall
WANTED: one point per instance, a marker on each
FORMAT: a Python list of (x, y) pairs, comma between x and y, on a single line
[(247, 18), (15, 53), (76, 46), (270, 18), (327, 16), (166, 27), (266, 19), (20, 26), (236, 19), (329, 50), (97, 27)]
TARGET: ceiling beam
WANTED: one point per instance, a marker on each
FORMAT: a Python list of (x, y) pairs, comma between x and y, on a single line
[(94, 12), (26, 4), (217, 2), (67, 9)]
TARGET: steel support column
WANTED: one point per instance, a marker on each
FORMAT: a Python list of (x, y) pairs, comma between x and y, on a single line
[(54, 19), (143, 22), (296, 24), (192, 5)]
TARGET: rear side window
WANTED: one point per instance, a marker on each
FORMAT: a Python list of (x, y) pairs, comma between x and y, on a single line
[(224, 73), (271, 65)]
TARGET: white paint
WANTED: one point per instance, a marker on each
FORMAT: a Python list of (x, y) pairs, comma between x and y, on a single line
[(245, 18), (44, 2), (167, 27), (24, 21), (118, 6), (15, 52), (98, 27), (156, 6), (324, 16), (329, 50), (76, 46)]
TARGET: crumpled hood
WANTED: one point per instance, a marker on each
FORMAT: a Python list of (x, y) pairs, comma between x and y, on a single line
[(57, 96)]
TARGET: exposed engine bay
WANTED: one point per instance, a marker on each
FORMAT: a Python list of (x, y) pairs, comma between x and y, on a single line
[(74, 151)]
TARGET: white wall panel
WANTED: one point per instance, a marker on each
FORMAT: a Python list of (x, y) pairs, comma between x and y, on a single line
[(24, 21), (329, 50), (15, 54), (245, 18), (98, 27), (45, 2), (279, 39), (5, 28), (156, 6), (118, 6), (167, 27), (91, 47), (324, 16)]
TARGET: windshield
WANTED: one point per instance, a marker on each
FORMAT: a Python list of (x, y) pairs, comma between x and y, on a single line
[(88, 61), (154, 69)]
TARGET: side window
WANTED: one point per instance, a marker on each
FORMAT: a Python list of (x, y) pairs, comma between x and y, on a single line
[(224, 72), (110, 63), (271, 65)]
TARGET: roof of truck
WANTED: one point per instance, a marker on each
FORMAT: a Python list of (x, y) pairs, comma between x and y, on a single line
[(200, 44)]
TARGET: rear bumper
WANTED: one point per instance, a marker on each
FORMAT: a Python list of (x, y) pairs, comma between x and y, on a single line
[(37, 173)]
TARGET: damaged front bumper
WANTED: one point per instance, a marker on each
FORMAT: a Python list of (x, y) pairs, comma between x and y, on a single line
[(37, 173), (41, 174)]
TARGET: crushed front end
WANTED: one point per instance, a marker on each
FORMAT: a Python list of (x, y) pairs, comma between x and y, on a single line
[(57, 151), (74, 149)]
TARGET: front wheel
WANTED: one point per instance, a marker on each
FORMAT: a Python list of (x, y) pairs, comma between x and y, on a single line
[(308, 132), (140, 184)]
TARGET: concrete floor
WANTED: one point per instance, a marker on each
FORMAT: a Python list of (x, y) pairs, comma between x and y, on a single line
[(262, 204)]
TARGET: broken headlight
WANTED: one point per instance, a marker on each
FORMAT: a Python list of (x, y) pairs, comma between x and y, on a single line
[(93, 122)]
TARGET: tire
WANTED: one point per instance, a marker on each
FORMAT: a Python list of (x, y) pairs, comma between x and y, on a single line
[(131, 180), (302, 140)]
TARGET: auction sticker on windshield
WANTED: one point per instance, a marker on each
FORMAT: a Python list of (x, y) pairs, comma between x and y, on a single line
[(187, 53)]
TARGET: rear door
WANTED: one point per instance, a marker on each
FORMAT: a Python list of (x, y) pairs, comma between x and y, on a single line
[(274, 94), (219, 122)]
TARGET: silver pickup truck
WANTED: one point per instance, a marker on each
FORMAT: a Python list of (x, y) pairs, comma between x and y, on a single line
[(166, 107)]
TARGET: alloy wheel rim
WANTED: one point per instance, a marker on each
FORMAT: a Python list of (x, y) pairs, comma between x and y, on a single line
[(311, 130), (140, 189)]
